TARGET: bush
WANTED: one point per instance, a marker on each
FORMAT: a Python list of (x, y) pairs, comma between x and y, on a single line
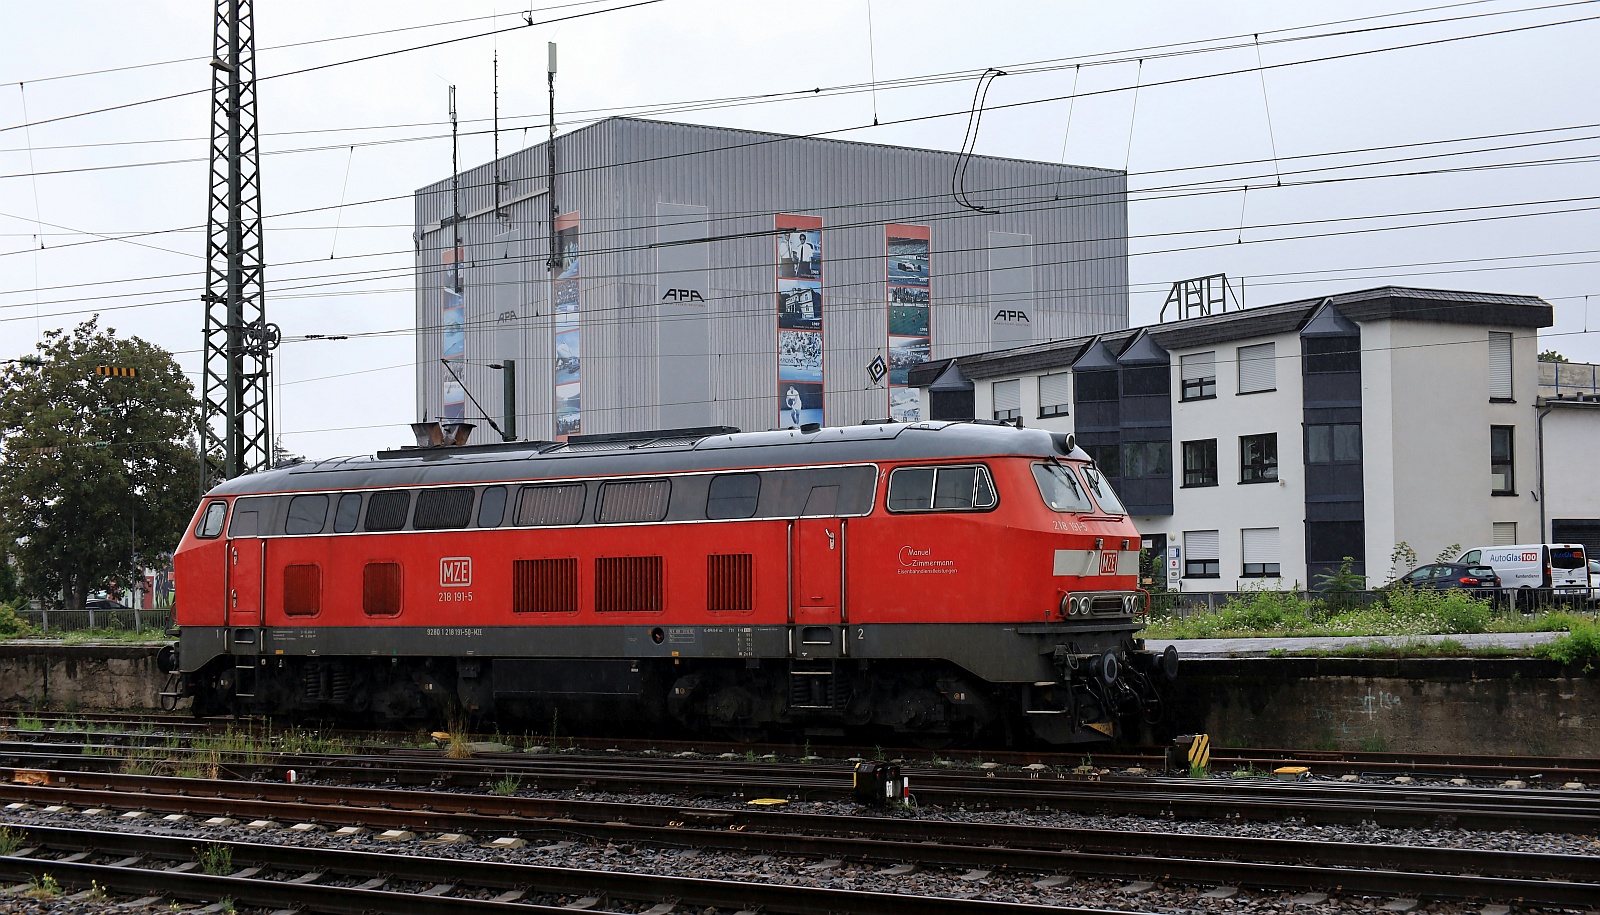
[(1581, 644), (12, 625)]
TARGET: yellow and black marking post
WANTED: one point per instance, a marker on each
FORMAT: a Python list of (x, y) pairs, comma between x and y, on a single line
[(1200, 752), (1191, 752), (116, 371)]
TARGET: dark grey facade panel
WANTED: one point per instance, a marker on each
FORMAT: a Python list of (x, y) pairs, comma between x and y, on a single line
[(1335, 497)]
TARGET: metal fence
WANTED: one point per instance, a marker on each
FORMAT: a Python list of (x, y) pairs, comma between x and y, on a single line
[(55, 622), (1187, 603)]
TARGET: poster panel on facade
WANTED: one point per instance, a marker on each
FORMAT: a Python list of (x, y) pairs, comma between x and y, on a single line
[(908, 296), (800, 320), (453, 337), (567, 296)]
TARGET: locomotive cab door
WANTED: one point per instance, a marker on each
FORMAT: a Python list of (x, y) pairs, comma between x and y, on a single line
[(817, 553), (244, 583)]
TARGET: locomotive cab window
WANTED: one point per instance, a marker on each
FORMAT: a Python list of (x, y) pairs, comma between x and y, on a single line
[(923, 489), (210, 525), (307, 514), (251, 517), (492, 507), (1060, 489), (1103, 493)]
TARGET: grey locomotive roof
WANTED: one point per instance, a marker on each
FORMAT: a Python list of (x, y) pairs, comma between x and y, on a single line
[(781, 448), (1384, 303)]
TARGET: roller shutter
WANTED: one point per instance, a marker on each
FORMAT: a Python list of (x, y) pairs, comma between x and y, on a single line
[(1260, 545), (1199, 365), (1505, 533), (1007, 396), (1258, 368), (1054, 393), (1201, 545), (1499, 366)]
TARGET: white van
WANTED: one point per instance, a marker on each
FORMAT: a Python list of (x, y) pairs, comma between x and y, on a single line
[(1558, 570)]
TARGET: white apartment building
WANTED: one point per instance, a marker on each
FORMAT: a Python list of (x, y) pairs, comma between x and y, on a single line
[(1259, 448)]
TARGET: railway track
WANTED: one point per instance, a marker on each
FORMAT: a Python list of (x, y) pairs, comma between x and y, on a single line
[(1261, 800), (1202, 861), (1554, 770)]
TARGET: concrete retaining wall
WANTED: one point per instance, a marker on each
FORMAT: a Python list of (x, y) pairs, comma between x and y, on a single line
[(1425, 705), (79, 676), (1523, 706)]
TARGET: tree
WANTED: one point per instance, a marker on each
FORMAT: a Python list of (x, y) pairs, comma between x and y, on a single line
[(96, 472), (1551, 355)]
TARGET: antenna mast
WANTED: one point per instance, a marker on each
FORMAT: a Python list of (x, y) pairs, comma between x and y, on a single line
[(497, 213), (235, 421)]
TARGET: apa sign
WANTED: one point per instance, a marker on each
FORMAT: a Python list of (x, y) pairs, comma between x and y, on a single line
[(455, 572)]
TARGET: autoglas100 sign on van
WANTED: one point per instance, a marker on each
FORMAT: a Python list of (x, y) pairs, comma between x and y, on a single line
[(1558, 569)]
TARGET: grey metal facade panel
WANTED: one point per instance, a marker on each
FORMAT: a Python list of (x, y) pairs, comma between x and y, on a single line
[(616, 171)]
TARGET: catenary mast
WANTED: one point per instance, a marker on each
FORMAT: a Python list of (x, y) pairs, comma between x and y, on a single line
[(235, 424)]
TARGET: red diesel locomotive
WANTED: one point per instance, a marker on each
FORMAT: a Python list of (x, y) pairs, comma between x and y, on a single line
[(937, 580)]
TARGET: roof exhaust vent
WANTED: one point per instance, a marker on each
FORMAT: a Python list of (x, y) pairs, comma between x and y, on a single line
[(1065, 442), (429, 435), (458, 433)]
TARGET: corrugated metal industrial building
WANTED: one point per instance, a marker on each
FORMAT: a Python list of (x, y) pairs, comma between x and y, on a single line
[(738, 278)]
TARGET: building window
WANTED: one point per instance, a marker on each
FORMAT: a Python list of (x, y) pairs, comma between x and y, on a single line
[(1502, 461), (1054, 394), (1097, 386), (1505, 533), (1258, 368), (1499, 366), (1007, 399), (1259, 546), (1146, 459), (1258, 458), (1325, 355), (1147, 381), (1200, 463), (1333, 443), (1107, 457), (1200, 376), (1200, 554)]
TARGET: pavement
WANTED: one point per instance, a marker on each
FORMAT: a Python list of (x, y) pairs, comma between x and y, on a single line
[(1269, 647)]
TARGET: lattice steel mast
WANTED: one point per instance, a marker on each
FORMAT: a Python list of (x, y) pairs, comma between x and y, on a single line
[(235, 426)]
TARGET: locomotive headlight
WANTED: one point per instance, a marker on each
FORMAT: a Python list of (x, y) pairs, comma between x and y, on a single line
[(1127, 604), (1080, 605)]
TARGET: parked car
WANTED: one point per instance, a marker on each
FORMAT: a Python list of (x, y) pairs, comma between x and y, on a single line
[(1481, 580), (1594, 581), (1536, 572), (104, 603)]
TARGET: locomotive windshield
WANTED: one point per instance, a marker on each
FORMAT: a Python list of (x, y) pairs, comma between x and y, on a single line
[(1101, 487), (1060, 489)]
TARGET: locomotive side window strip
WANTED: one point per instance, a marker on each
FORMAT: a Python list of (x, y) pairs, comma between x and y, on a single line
[(443, 509), (634, 501), (348, 514), (627, 584), (544, 586), (492, 507), (730, 582), (307, 514), (386, 511), (381, 589), (923, 489), (733, 495), (210, 525), (302, 589), (545, 506)]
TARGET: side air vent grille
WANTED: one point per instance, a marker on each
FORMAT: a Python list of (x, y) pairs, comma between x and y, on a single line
[(544, 586), (730, 582), (628, 584)]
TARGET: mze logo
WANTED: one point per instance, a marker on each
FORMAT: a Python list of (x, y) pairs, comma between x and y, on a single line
[(455, 572), (1108, 562), (682, 295)]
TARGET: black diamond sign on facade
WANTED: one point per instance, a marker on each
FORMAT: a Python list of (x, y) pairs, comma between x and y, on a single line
[(876, 369)]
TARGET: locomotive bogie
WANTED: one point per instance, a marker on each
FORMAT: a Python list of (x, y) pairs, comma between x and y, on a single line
[(935, 580)]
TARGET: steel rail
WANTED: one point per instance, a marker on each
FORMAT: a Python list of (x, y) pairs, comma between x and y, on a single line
[(1201, 859), (523, 879)]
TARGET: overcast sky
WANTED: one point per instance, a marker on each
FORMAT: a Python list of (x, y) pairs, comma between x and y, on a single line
[(1376, 147)]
